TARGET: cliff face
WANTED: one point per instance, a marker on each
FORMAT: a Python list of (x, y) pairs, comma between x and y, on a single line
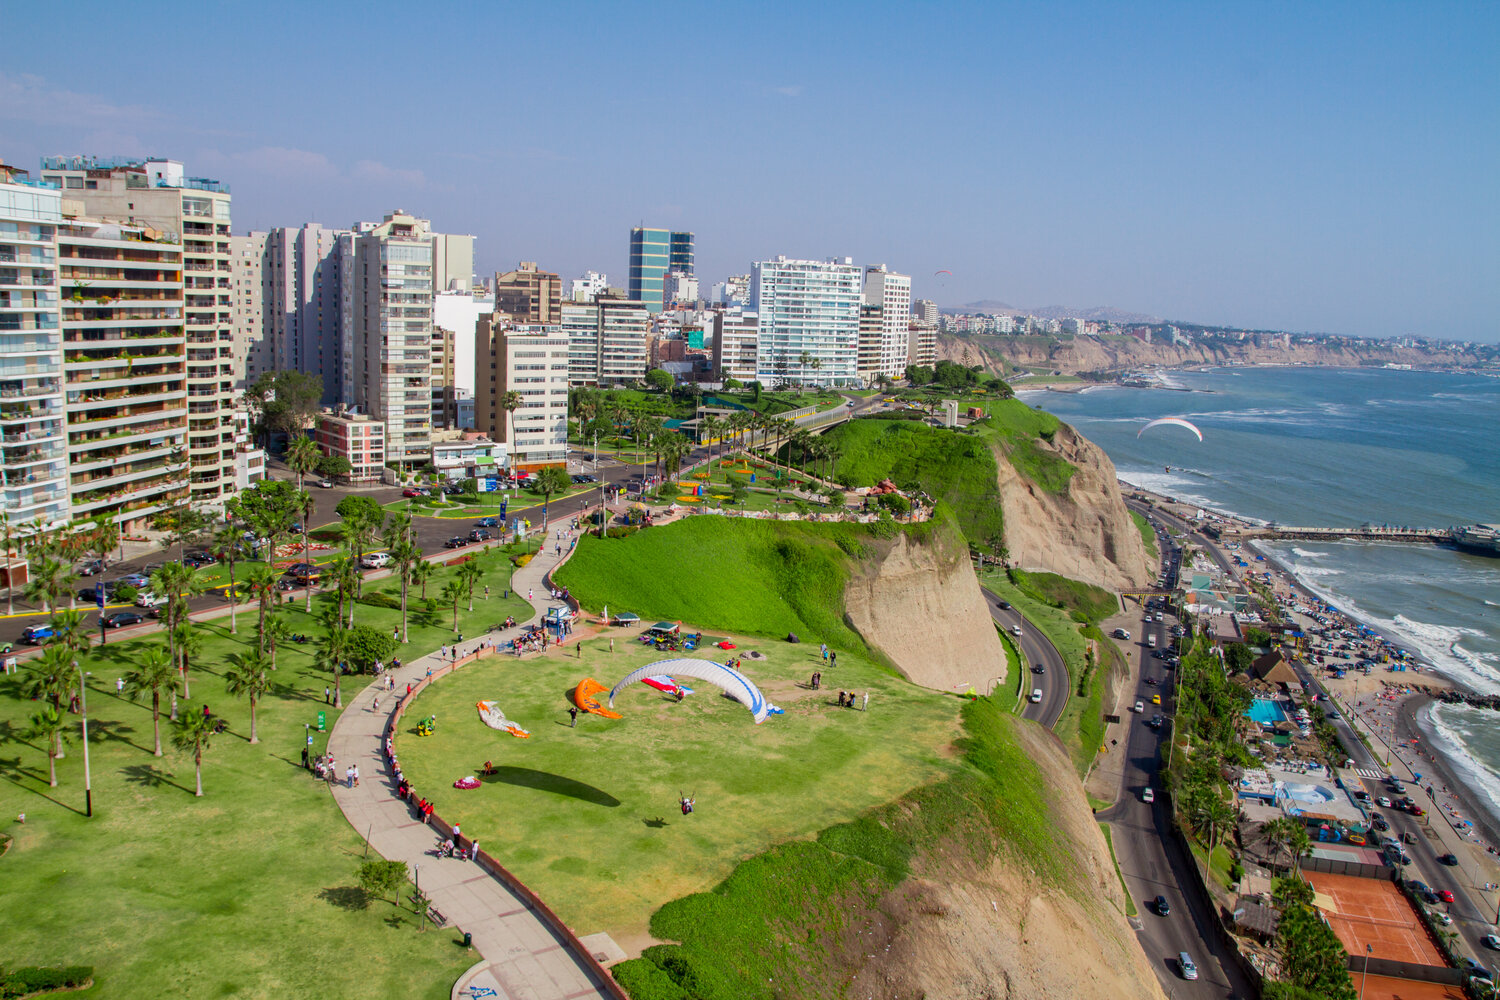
[(1070, 355), (920, 605), (1084, 533), (982, 932)]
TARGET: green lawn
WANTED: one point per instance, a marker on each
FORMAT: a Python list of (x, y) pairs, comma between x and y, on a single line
[(1148, 536), (1130, 908), (248, 891), (588, 817)]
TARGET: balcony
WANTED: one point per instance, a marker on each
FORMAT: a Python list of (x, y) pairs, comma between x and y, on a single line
[(31, 392), (15, 458), (125, 494), (80, 445), (110, 421), (115, 397)]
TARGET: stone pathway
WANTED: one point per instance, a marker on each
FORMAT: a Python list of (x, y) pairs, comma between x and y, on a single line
[(526, 959)]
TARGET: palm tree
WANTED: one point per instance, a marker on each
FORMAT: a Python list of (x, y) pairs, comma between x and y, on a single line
[(189, 644), (50, 726), (332, 652), (175, 582), (552, 479), (674, 448), (405, 556), (249, 676), (421, 572), (510, 402), (276, 630), (152, 672), (303, 457), (103, 536), (69, 633), (307, 513), (360, 531), (470, 573), (709, 428), (345, 574), (10, 589), (645, 430), (47, 581), (260, 583), (453, 592), (229, 548), (619, 413), (192, 733), (1299, 843)]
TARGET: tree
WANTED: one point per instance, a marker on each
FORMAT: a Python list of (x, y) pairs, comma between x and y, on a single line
[(363, 521), (49, 579), (365, 644), (674, 448), (284, 402), (248, 676), (270, 508), (453, 592), (260, 583), (229, 548), (510, 402), (1299, 843), (1312, 957), (181, 524), (383, 878), (421, 572), (552, 479), (151, 674), (48, 677), (335, 466), (331, 653), (175, 582), (192, 733), (69, 633), (50, 726), (1289, 892), (660, 380), (103, 536), (709, 428), (276, 631), (469, 573), (344, 574)]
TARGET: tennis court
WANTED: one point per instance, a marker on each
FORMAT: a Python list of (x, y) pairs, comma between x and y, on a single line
[(1369, 911), (1388, 988)]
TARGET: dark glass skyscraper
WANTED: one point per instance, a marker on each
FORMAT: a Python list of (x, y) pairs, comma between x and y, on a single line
[(654, 252)]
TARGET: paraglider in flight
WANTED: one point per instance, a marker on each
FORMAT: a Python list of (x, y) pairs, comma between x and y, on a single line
[(735, 684), (936, 273), (1174, 421)]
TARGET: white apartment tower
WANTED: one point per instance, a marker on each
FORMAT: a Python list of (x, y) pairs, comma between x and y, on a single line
[(302, 292), (254, 349), (884, 344), (608, 340), (156, 195), (33, 476), (809, 320), (389, 322)]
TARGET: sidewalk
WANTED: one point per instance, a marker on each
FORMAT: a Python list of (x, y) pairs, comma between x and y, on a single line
[(527, 959)]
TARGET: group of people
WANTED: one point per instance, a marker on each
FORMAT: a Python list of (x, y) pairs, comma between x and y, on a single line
[(532, 640), (847, 699)]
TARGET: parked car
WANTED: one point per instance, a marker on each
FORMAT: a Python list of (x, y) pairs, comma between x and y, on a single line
[(412, 491), (375, 560), (136, 580), (120, 619), (1416, 810), (35, 635), (1379, 822), (1385, 801), (306, 572), (456, 542), (147, 599), (198, 558), (479, 535), (325, 484), (1492, 942), (1148, 795), (91, 567)]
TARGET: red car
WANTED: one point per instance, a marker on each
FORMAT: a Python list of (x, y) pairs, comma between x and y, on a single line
[(1416, 810), (411, 491), (1445, 895)]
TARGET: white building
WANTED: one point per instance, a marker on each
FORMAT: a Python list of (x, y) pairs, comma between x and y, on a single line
[(608, 341), (736, 340), (460, 312), (809, 320), (733, 290), (925, 310), (466, 459), (302, 290), (531, 361), (585, 288), (890, 294), (679, 287)]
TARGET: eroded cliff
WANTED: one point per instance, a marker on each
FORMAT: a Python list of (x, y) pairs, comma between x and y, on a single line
[(1084, 531), (920, 604)]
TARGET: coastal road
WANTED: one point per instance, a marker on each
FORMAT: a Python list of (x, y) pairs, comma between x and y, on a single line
[(1037, 651)]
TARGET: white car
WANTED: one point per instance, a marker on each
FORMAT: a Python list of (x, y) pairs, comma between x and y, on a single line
[(1148, 794), (1015, 630), (1036, 696), (1385, 802), (375, 560), (146, 599), (1140, 707), (1492, 942), (325, 484)]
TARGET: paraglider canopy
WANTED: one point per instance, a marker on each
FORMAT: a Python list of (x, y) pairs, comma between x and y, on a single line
[(735, 684), (1173, 421)]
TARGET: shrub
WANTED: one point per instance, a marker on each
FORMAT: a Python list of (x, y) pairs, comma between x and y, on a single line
[(126, 594), (377, 599), (523, 559), (368, 644), (34, 979), (621, 531)]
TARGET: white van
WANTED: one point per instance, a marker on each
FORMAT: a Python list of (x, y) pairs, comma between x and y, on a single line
[(1036, 695), (1151, 641), (375, 560)]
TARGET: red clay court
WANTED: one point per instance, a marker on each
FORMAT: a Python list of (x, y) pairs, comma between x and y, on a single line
[(1386, 988), (1373, 911)]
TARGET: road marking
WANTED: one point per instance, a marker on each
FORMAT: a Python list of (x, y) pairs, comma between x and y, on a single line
[(1368, 772)]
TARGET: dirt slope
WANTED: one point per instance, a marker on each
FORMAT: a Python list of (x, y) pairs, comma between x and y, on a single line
[(919, 603), (961, 931), (1086, 532)]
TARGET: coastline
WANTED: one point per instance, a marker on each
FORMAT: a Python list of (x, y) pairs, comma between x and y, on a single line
[(1413, 723)]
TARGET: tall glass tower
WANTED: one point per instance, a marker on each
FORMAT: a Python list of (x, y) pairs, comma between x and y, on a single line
[(654, 252)]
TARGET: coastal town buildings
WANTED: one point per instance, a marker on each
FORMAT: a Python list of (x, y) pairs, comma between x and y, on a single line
[(585, 288), (357, 437), (809, 321), (654, 252), (885, 321), (531, 360), (925, 311), (736, 343), (608, 340), (528, 294)]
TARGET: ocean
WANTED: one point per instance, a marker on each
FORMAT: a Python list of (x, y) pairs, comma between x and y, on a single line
[(1340, 448)]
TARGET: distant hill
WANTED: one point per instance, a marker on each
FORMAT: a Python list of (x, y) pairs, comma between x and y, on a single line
[(1108, 314)]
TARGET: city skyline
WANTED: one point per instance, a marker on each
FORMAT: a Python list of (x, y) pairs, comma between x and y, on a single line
[(1323, 170)]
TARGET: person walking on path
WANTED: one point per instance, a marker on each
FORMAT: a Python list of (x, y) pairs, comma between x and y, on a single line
[(354, 770), (580, 650), (823, 649), (486, 592), (573, 715), (375, 705), (349, 776), (833, 658), (528, 593)]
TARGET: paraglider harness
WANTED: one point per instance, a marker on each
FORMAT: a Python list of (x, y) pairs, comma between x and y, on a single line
[(427, 725), (686, 802)]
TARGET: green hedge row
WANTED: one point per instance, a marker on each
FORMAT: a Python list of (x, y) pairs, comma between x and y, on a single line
[(32, 979)]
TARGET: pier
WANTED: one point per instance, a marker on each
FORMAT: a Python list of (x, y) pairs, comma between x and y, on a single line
[(1433, 536)]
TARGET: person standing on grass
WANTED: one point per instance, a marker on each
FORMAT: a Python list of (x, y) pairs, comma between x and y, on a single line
[(823, 649), (866, 706), (833, 658), (573, 715)]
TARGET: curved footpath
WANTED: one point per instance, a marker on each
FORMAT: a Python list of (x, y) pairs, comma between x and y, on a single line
[(528, 952)]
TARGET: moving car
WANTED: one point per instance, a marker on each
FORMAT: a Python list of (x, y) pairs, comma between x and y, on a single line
[(325, 484), (197, 558), (304, 571), (120, 619), (412, 491), (1385, 802), (1162, 906), (1156, 699), (375, 560), (479, 535), (91, 567), (1148, 794), (35, 635), (1448, 859), (487, 522), (456, 542), (1015, 630), (1040, 668), (1140, 707), (1121, 633), (1379, 822), (1492, 942), (146, 599), (1185, 966), (1446, 895), (1036, 695)]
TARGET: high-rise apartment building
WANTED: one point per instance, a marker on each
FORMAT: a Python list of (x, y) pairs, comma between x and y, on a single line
[(654, 252), (585, 288), (253, 347), (303, 302), (921, 344), (532, 361), (444, 395), (33, 474), (157, 194), (679, 289), (883, 344), (528, 295), (809, 320), (736, 343), (390, 306), (608, 340), (452, 263), (926, 311), (125, 369)]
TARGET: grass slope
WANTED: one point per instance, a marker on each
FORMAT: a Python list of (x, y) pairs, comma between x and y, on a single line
[(1017, 427), (588, 816), (1084, 601), (249, 891), (1148, 536), (777, 926), (743, 575)]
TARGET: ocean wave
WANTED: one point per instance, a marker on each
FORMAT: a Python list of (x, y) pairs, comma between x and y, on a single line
[(1307, 553), (1452, 741), (1316, 571)]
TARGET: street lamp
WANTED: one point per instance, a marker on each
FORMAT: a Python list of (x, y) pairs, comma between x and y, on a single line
[(83, 706), (1366, 973)]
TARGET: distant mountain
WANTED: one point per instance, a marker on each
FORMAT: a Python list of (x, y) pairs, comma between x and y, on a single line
[(1108, 314)]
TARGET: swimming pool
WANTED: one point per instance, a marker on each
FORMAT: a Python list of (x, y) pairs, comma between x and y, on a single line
[(1266, 711)]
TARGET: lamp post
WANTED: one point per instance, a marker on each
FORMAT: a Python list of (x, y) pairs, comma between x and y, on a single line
[(83, 706), (421, 910), (1366, 973)]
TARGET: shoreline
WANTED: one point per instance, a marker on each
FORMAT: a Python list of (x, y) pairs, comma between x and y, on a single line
[(1412, 722)]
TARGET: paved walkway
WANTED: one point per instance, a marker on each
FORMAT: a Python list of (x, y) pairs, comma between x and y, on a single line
[(527, 959)]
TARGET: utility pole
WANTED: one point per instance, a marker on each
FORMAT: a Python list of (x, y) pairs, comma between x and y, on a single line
[(83, 705)]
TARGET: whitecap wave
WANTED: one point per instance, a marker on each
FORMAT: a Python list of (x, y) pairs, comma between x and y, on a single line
[(1450, 728), (1307, 553), (1316, 571)]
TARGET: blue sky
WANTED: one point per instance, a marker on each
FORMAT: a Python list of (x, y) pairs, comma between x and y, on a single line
[(1318, 167)]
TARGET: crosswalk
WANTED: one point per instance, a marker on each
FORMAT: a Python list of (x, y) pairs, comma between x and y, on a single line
[(1369, 772)]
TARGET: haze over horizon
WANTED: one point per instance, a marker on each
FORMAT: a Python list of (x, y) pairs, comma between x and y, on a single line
[(1327, 169)]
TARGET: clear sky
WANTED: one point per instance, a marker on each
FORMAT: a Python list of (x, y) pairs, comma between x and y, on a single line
[(1321, 166)]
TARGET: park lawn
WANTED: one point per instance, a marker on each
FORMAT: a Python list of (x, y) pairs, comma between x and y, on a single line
[(1148, 535), (589, 818), (245, 892)]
